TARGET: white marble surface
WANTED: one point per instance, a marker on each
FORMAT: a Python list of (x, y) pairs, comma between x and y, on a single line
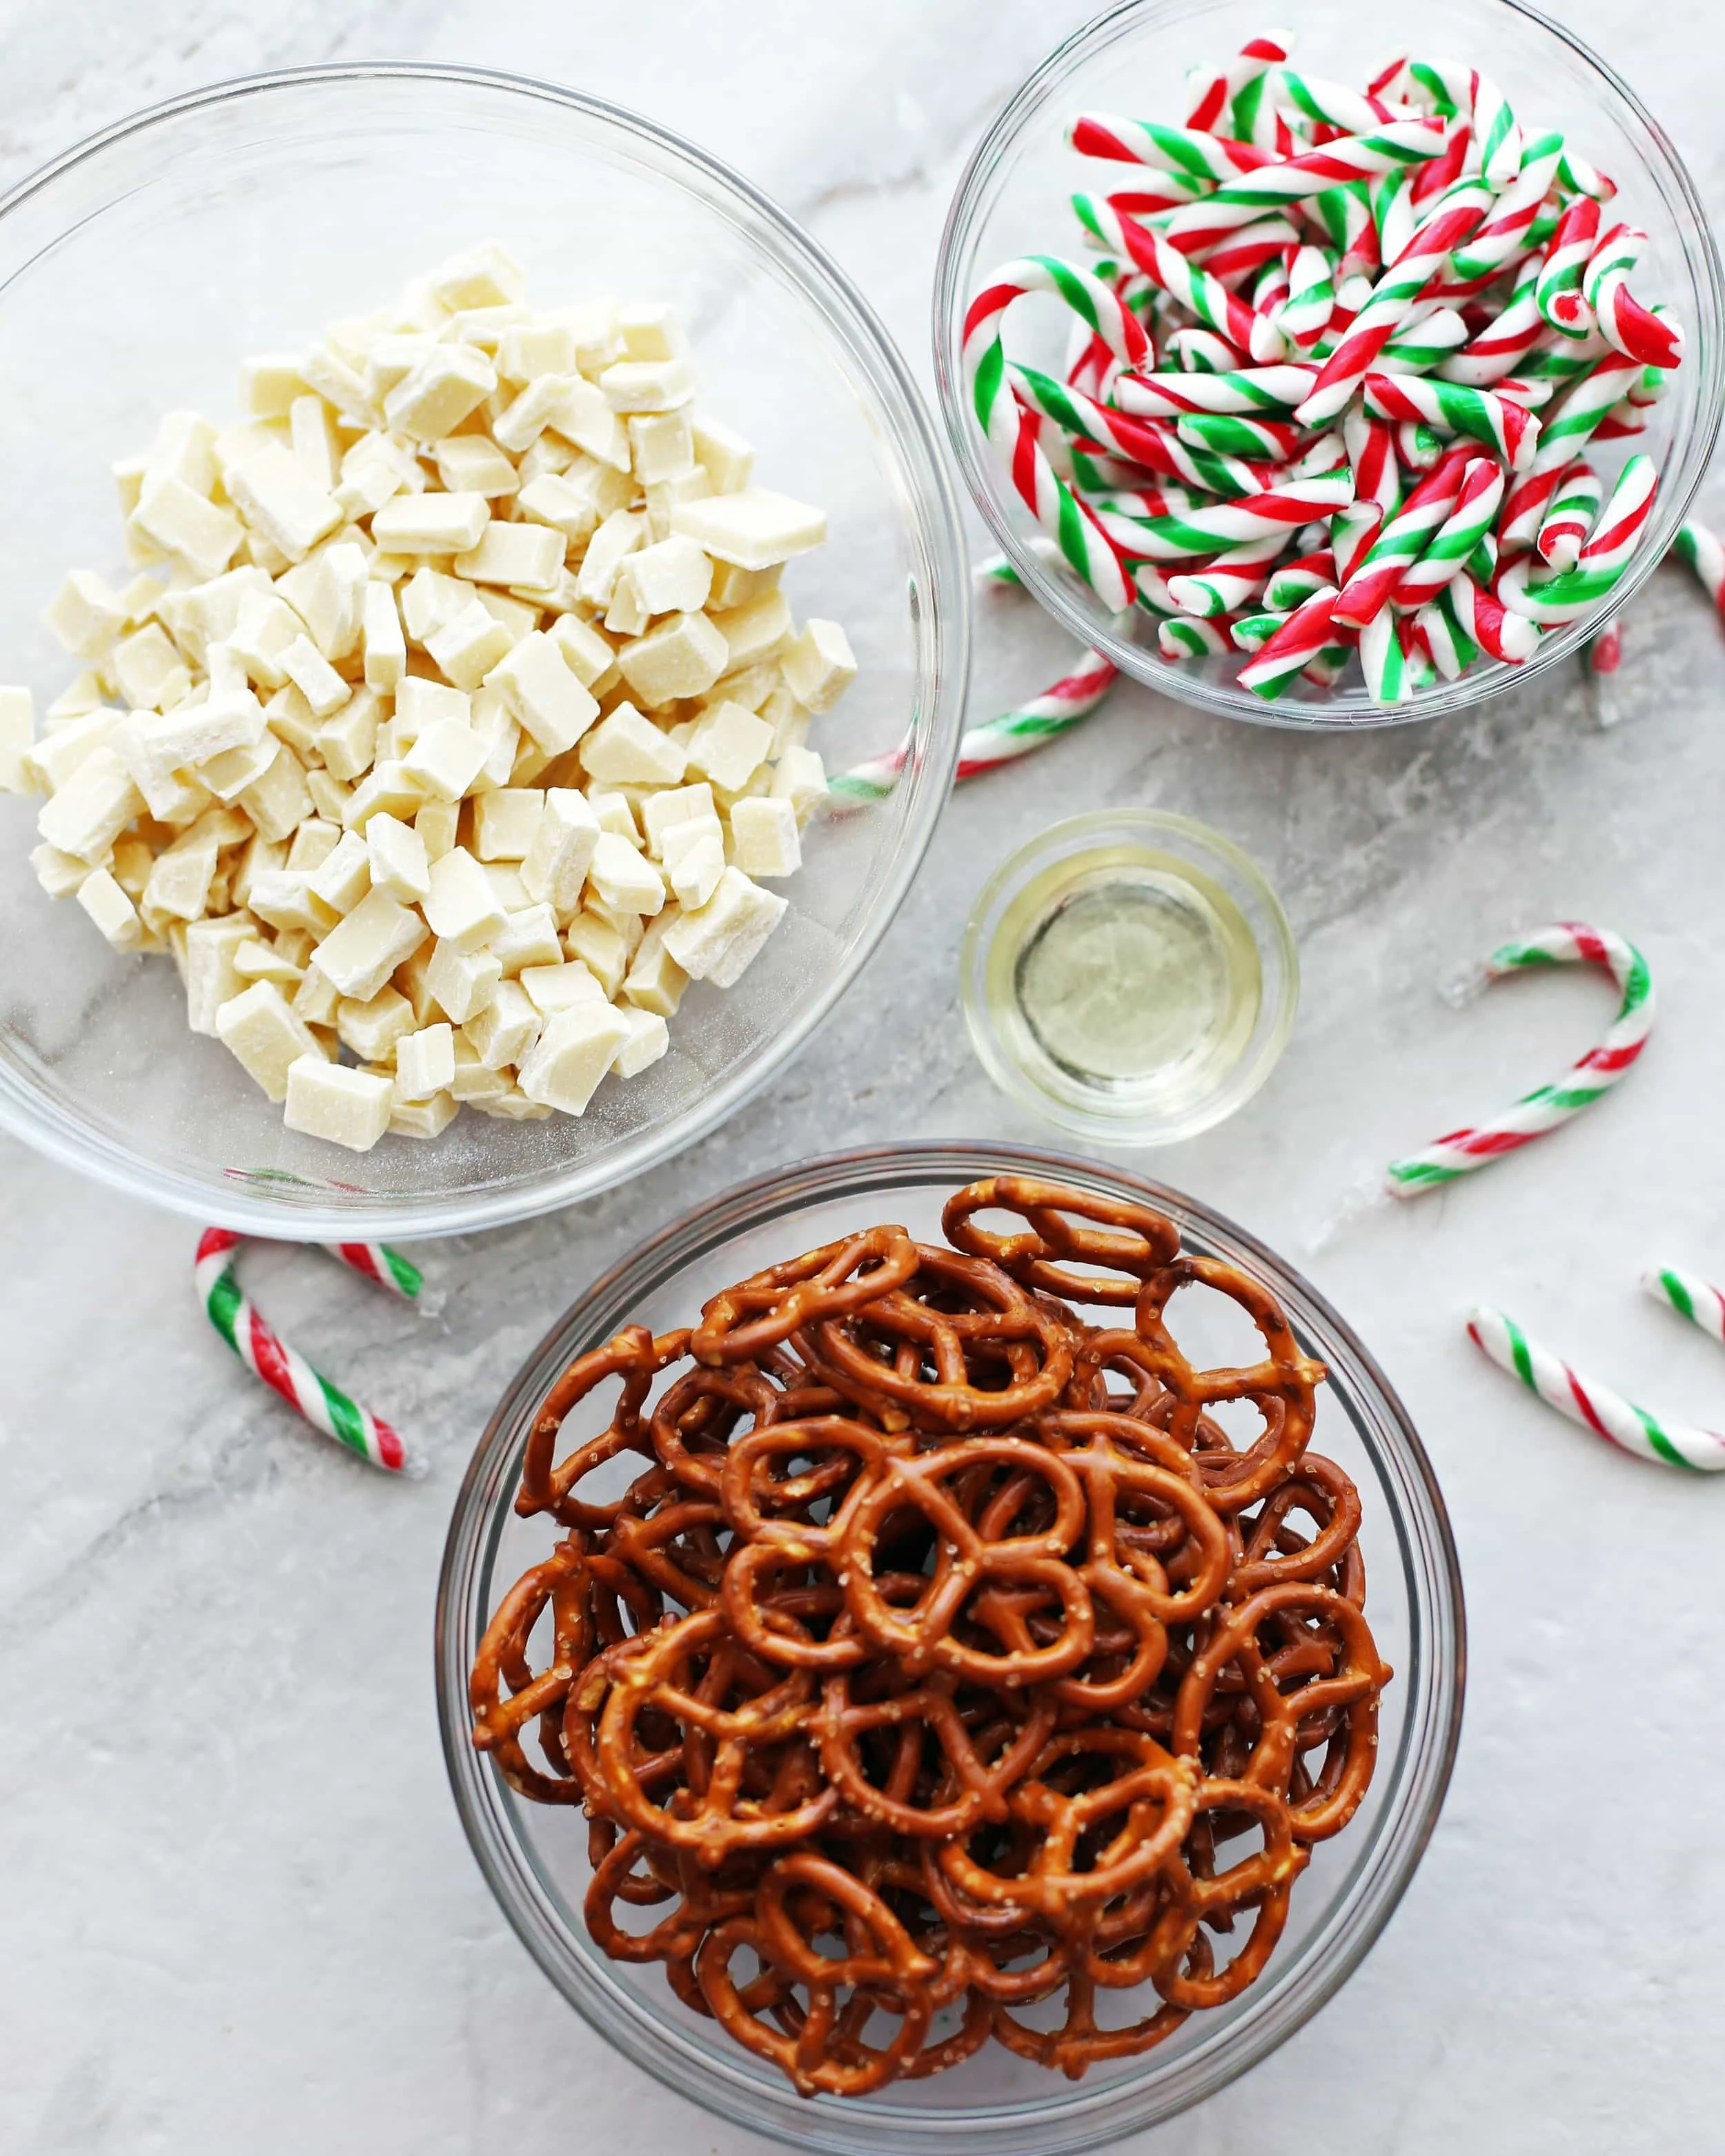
[(235, 1902)]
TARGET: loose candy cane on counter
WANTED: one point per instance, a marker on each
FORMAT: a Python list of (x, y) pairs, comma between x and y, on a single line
[(1704, 553), (1567, 943), (1690, 1295), (282, 1367), (1594, 1406)]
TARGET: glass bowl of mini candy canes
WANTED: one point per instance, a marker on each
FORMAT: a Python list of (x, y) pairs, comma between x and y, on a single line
[(412, 812), (1062, 2068), (1332, 375)]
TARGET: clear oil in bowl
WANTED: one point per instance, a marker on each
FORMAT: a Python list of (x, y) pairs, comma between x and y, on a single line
[(1125, 981)]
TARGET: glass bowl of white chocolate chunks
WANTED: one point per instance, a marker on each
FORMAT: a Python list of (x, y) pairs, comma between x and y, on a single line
[(467, 522)]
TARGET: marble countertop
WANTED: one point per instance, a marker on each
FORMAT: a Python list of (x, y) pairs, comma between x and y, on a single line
[(233, 1895)]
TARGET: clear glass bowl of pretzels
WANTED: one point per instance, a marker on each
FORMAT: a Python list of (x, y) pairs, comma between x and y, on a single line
[(949, 1643), (1349, 309)]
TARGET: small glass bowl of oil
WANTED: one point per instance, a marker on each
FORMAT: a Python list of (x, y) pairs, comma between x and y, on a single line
[(1130, 975)]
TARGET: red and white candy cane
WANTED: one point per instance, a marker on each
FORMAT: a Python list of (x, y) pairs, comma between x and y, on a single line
[(282, 1367), (1012, 431), (1631, 1428), (1567, 943)]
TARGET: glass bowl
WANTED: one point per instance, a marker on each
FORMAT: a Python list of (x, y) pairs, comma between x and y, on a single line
[(136, 273), (534, 1856), (1013, 200), (1177, 891)]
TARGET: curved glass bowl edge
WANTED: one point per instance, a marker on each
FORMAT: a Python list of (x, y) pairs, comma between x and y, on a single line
[(1074, 2120)]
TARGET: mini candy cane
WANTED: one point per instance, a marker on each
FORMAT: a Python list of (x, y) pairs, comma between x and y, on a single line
[(1401, 542), (1602, 560), (1705, 554), (1282, 509), (1190, 153), (1623, 320), (1559, 287), (1691, 1296), (1271, 391), (1453, 544), (1383, 659), (1574, 509), (282, 1367), (1465, 620), (1306, 633), (1569, 942), (1508, 429), (1201, 294), (1607, 1413)]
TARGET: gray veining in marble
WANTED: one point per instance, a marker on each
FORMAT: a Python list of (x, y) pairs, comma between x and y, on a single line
[(235, 1902)]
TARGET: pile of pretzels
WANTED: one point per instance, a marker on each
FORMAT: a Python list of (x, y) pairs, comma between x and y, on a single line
[(946, 1667)]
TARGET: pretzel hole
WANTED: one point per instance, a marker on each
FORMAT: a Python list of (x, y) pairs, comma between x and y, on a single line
[(1210, 1329), (1241, 1422)]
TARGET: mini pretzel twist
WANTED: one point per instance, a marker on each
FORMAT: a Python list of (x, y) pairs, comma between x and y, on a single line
[(922, 1647)]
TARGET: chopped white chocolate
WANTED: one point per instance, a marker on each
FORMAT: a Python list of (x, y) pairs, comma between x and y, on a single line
[(514, 554), (584, 415), (17, 735), (397, 854), (555, 988), (627, 749), (359, 954), (647, 385), (180, 877), (420, 704), (599, 947), (648, 1039), (462, 907), (683, 656), (147, 670), (333, 605), (265, 1035), (763, 838), (572, 1053), (434, 398), (273, 493), (179, 522), (504, 822), (753, 527), (656, 982), (422, 1119), (211, 978), (543, 694), (438, 824), (789, 720), (445, 759), (348, 1107), (506, 1028), (528, 937), (623, 878), (671, 577), (389, 787), (468, 645), (86, 615), (372, 1029), (312, 675), (431, 523), (694, 860), (462, 982), (590, 658), (722, 454), (800, 777), (620, 534), (424, 1062), (87, 814), (474, 1081), (112, 912), (269, 386), (557, 860), (757, 630), (277, 799), (820, 666), (344, 875), (718, 942), (674, 805), (256, 960), (473, 464), (529, 349), (728, 745)]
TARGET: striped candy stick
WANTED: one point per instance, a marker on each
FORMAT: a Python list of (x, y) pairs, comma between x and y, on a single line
[(283, 1368), (1269, 392), (1232, 434), (1251, 632), (1186, 636), (1385, 659), (1306, 633), (1465, 620), (1430, 337), (1253, 335), (1285, 509), (1704, 553), (1149, 443), (1505, 233), (1298, 581), (1499, 348), (1456, 93), (1235, 95), (1455, 539), (1508, 429), (1337, 164), (1418, 446), (1401, 541), (1568, 942), (1013, 433), (1574, 509), (1194, 155), (1559, 289), (1610, 548), (1333, 104), (1311, 300), (1623, 321), (1228, 583), (1595, 1407), (1604, 648), (1353, 531), (1691, 1296), (1565, 431), (1245, 252), (385, 1268)]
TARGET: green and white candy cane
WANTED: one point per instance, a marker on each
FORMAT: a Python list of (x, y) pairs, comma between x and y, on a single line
[(1011, 432), (1595, 1407)]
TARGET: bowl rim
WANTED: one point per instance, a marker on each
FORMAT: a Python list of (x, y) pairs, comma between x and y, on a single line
[(1059, 593), (477, 1789), (944, 599)]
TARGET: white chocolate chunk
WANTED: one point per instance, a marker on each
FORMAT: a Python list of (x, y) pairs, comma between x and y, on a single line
[(180, 877), (722, 454), (528, 938), (599, 947), (438, 824), (312, 675), (557, 987), (268, 385), (800, 778), (111, 911), (571, 1054), (656, 982), (583, 415), (333, 606), (728, 745), (620, 534), (473, 1081), (388, 788), (661, 446), (473, 464), (277, 799), (88, 813), (672, 576), (506, 1028), (648, 1039), (543, 694), (462, 907), (285, 898), (504, 822), (719, 941), (431, 523), (820, 666), (763, 838), (626, 749), (468, 646), (348, 1107), (757, 629), (273, 493), (265, 1036), (526, 350), (589, 657), (347, 739), (753, 528), (17, 735), (425, 1063), (358, 956), (179, 522), (446, 759), (396, 854), (386, 651), (683, 656), (623, 878), (211, 977), (86, 615), (422, 1119), (372, 1029), (556, 862), (514, 554), (647, 385), (434, 398), (462, 982), (693, 861), (486, 276), (420, 704)]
